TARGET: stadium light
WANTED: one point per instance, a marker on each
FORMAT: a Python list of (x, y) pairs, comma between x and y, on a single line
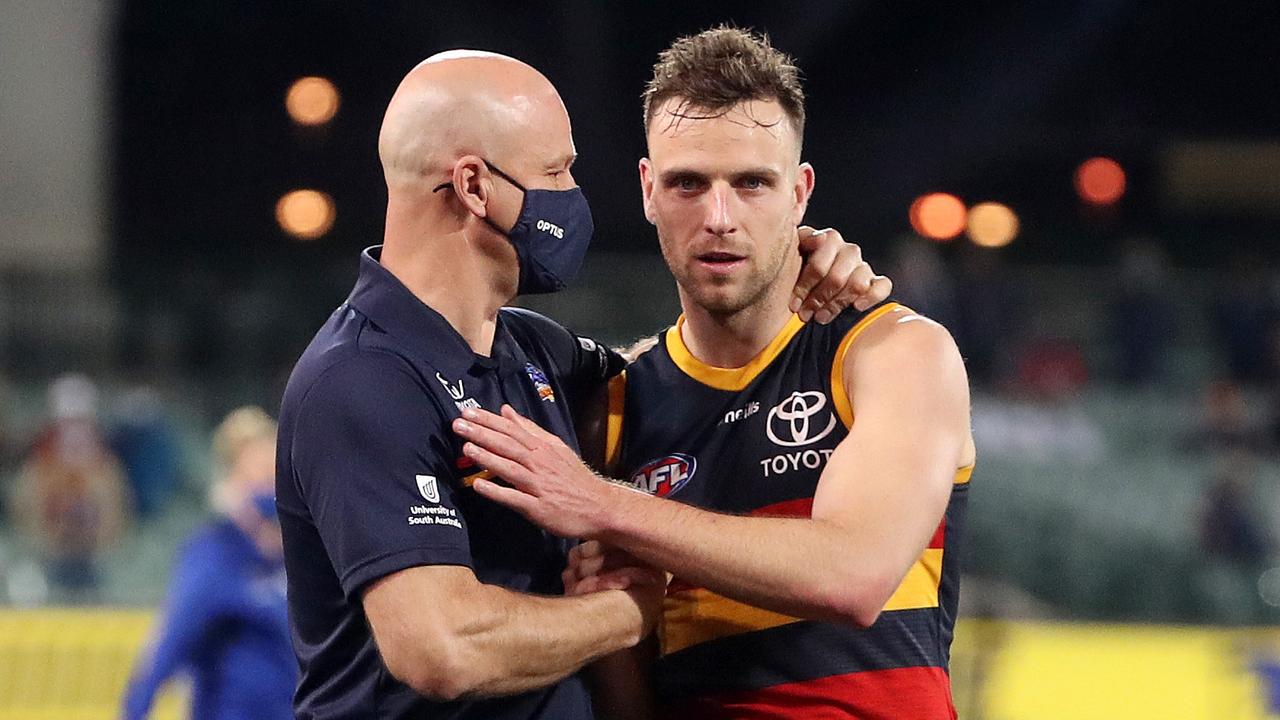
[(1100, 181), (312, 101), (937, 216), (992, 225), (305, 214)]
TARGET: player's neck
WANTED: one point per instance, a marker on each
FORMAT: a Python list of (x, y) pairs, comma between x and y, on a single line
[(731, 341), (447, 274)]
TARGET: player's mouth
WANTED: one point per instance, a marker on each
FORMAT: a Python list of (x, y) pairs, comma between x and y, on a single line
[(721, 262)]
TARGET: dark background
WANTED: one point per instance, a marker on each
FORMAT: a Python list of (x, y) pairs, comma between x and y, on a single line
[(991, 101)]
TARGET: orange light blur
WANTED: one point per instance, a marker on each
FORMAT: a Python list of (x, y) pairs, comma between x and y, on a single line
[(937, 216), (1100, 181), (306, 214), (992, 224), (312, 101)]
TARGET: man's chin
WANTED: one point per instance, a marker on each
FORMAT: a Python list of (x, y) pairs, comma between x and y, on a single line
[(721, 300)]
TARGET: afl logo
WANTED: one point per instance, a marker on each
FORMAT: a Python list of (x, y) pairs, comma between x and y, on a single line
[(665, 475), (791, 419)]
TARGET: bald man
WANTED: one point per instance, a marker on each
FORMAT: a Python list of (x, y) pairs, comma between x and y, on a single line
[(409, 594)]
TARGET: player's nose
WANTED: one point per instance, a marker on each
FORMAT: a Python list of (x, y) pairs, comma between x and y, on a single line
[(720, 218)]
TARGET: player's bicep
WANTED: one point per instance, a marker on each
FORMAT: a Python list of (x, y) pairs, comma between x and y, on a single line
[(892, 475)]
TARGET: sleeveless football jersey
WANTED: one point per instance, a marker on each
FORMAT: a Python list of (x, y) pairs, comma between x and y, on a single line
[(754, 441)]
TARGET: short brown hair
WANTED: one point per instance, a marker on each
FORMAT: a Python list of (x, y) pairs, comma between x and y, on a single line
[(713, 71)]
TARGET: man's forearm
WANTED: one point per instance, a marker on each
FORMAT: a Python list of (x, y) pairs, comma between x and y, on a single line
[(797, 566), (515, 642)]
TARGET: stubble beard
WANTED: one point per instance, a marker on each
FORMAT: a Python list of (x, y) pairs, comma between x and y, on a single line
[(721, 302)]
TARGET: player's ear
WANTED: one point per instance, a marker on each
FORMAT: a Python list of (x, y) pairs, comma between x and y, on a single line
[(646, 187), (472, 184), (804, 190)]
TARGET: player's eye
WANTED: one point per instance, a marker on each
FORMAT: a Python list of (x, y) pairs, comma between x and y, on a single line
[(685, 183), (753, 182)]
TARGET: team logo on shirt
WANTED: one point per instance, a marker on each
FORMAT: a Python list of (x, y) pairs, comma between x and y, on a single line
[(791, 420), (665, 475), (428, 487), (540, 383)]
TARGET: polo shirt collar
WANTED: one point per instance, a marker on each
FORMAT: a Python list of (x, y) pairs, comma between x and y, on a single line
[(415, 326)]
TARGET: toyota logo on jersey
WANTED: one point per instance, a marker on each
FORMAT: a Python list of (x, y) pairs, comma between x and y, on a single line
[(792, 416), (665, 475)]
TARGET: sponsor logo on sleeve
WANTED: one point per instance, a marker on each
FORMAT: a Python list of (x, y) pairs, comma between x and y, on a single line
[(428, 487), (435, 513)]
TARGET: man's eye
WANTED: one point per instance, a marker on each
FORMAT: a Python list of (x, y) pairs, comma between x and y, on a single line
[(687, 184), (752, 183)]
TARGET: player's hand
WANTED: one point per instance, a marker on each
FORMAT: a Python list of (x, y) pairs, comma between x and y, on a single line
[(549, 484), (594, 566), (834, 277)]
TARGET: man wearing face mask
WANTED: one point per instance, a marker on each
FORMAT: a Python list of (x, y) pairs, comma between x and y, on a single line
[(409, 595), (224, 621)]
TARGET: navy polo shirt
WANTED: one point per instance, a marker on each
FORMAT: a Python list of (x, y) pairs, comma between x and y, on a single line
[(371, 480)]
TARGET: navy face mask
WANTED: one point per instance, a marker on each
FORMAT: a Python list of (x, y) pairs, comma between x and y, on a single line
[(550, 236)]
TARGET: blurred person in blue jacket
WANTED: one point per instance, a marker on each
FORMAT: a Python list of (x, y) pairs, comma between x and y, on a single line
[(224, 622)]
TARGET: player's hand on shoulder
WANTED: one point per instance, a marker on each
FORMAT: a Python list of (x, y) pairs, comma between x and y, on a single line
[(834, 276)]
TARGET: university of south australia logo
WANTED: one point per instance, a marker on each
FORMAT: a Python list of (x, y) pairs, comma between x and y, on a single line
[(428, 487), (797, 419)]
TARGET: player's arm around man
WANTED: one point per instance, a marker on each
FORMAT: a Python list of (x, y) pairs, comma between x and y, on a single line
[(877, 505)]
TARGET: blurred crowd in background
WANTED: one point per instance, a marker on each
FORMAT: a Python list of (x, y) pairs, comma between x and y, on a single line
[(185, 188), (1133, 385)]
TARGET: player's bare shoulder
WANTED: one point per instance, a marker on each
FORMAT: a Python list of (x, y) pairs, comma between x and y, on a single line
[(904, 353), (902, 339), (906, 359)]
